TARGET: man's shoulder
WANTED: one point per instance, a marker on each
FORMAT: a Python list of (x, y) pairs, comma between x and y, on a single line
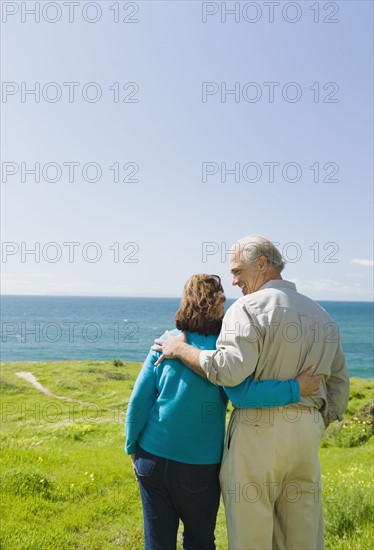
[(238, 304), (284, 296), (245, 305)]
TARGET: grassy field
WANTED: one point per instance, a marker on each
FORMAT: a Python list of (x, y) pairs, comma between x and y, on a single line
[(67, 483)]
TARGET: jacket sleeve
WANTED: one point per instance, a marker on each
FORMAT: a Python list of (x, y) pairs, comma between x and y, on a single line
[(238, 348), (263, 393), (337, 386), (141, 402)]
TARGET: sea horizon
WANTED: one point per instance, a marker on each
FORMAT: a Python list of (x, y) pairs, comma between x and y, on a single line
[(161, 297), (84, 327)]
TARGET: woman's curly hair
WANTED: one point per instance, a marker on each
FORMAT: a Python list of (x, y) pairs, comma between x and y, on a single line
[(201, 305)]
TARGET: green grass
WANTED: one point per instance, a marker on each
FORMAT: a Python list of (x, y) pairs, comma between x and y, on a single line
[(67, 483)]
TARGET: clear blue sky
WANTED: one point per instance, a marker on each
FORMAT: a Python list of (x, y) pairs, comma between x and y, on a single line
[(183, 211)]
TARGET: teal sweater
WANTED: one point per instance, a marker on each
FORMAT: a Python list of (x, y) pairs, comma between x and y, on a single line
[(176, 414)]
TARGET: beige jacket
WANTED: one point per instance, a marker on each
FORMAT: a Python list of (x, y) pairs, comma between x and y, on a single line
[(277, 333)]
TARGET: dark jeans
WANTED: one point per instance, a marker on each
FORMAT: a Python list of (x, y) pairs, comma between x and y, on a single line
[(174, 490)]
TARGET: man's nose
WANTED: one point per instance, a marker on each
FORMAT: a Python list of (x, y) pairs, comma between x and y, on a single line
[(234, 280)]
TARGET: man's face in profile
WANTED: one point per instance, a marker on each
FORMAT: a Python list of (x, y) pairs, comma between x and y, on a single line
[(244, 275)]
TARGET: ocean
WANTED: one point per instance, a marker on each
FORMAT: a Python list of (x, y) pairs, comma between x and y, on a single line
[(45, 328)]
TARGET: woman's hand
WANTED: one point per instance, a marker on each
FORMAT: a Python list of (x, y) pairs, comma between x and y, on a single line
[(133, 465), (308, 382)]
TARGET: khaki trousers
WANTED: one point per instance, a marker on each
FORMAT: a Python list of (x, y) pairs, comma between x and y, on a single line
[(270, 479)]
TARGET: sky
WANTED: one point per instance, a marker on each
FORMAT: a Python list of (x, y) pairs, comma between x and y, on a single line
[(140, 140)]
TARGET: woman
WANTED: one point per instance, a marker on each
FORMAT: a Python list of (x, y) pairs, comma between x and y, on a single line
[(175, 427)]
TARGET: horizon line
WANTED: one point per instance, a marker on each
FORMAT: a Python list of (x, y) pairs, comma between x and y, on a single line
[(150, 296)]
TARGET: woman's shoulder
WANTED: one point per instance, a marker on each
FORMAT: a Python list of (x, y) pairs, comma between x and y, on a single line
[(174, 332), (194, 339), (201, 341)]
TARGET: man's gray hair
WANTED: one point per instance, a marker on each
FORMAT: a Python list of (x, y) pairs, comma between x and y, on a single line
[(254, 246)]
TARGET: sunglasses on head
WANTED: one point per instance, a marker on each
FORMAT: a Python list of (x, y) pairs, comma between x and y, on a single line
[(216, 278)]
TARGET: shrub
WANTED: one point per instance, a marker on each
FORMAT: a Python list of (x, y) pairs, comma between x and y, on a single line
[(348, 502), (353, 431), (26, 483)]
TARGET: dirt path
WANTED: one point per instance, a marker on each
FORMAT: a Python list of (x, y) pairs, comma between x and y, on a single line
[(29, 377)]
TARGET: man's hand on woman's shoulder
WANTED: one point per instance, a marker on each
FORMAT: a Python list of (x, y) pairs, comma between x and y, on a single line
[(169, 346)]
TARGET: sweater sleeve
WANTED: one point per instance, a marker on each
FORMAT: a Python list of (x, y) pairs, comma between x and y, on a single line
[(263, 393), (141, 402)]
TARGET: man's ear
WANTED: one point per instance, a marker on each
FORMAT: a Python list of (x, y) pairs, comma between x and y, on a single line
[(263, 263)]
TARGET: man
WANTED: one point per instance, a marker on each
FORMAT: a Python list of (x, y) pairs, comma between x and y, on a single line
[(270, 474)]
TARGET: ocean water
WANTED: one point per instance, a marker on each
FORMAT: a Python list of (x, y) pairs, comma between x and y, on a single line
[(42, 328)]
